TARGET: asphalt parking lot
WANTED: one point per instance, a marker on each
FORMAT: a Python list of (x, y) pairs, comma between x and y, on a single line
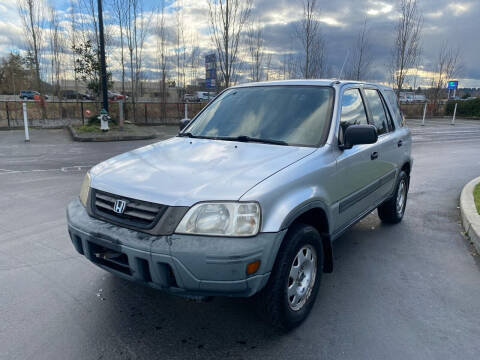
[(409, 291)]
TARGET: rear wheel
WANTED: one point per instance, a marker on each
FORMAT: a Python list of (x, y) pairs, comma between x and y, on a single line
[(292, 288), (392, 210)]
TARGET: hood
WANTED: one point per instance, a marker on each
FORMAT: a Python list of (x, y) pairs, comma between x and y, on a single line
[(182, 171)]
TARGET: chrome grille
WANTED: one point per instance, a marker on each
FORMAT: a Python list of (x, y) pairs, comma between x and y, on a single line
[(137, 213)]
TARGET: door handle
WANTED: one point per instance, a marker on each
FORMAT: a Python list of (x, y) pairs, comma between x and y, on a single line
[(374, 155), (400, 143)]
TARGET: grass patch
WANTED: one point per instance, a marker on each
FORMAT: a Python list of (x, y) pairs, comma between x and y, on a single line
[(87, 128), (476, 197), (95, 128)]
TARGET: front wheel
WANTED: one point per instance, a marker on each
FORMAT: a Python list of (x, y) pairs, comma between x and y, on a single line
[(292, 288), (392, 210)]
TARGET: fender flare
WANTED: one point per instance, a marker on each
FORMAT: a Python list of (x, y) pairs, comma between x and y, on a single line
[(326, 238)]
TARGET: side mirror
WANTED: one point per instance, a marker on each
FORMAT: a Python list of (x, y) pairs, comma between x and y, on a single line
[(359, 134), (184, 123)]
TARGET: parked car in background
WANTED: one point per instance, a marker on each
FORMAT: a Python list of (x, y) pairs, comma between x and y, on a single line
[(410, 97), (30, 95), (190, 98), (249, 197), (205, 95), (73, 95), (116, 96)]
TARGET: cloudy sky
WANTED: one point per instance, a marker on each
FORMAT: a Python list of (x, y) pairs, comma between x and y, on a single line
[(455, 22)]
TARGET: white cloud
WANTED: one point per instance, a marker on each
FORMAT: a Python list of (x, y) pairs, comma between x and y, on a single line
[(379, 8), (459, 8)]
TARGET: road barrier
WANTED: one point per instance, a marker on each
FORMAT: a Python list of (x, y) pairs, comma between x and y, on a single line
[(25, 122), (424, 113), (454, 114)]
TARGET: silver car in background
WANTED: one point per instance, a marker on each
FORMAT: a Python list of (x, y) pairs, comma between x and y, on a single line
[(248, 198)]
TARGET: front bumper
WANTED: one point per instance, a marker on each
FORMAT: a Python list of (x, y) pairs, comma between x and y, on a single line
[(182, 264)]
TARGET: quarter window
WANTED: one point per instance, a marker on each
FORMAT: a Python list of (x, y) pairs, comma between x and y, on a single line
[(392, 99), (379, 118), (391, 126)]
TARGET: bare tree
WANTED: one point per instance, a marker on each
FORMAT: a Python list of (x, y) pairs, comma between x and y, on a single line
[(194, 59), (313, 45), (161, 49), (33, 19), (89, 21), (57, 49), (228, 19), (268, 66), (180, 46), (360, 59), (135, 33), (407, 48), (290, 65), (256, 50), (120, 8), (446, 68), (73, 36)]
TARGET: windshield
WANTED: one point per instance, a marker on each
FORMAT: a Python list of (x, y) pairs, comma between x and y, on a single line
[(294, 115)]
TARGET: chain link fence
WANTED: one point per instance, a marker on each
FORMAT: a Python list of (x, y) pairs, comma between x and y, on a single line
[(62, 113), (413, 111)]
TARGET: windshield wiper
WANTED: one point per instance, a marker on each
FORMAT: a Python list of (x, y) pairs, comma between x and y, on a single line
[(242, 138), (245, 138), (186, 134)]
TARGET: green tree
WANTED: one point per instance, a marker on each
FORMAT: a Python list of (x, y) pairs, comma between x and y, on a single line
[(87, 66), (14, 74)]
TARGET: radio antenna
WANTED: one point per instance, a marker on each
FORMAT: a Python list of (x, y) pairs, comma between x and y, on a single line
[(344, 62)]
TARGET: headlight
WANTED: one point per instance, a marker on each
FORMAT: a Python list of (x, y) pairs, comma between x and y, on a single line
[(223, 219), (85, 189)]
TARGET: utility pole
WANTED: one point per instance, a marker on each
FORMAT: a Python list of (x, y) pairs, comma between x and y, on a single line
[(103, 66)]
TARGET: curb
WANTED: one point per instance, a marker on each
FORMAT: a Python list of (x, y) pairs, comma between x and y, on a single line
[(470, 216), (76, 137)]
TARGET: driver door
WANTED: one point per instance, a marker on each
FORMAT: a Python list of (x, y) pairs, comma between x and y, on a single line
[(356, 167)]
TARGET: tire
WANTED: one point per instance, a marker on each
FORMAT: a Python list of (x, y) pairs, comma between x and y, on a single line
[(392, 211), (274, 303)]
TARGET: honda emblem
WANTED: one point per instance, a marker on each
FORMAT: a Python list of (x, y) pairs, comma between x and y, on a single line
[(119, 206)]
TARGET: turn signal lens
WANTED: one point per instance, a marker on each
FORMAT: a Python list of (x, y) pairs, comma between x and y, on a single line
[(253, 267), (84, 190)]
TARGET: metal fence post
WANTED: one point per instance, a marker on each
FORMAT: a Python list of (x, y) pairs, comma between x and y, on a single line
[(454, 114), (145, 112), (81, 109), (25, 122), (424, 112), (8, 114), (120, 114)]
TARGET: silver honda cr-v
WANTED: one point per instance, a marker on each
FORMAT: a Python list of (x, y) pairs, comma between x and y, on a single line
[(249, 196)]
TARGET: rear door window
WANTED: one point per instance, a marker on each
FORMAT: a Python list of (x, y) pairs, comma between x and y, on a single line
[(379, 118)]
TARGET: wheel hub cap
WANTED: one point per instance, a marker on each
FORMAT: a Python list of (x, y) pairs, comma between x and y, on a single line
[(401, 197), (301, 278)]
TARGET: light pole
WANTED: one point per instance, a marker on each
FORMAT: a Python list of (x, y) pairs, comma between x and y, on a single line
[(103, 66)]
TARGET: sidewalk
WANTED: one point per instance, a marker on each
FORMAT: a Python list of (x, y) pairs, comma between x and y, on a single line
[(470, 216)]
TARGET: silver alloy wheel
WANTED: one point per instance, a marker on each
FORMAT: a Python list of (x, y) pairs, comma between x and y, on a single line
[(401, 197), (301, 278)]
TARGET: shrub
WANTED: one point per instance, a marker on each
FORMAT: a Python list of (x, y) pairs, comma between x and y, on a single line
[(468, 108)]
